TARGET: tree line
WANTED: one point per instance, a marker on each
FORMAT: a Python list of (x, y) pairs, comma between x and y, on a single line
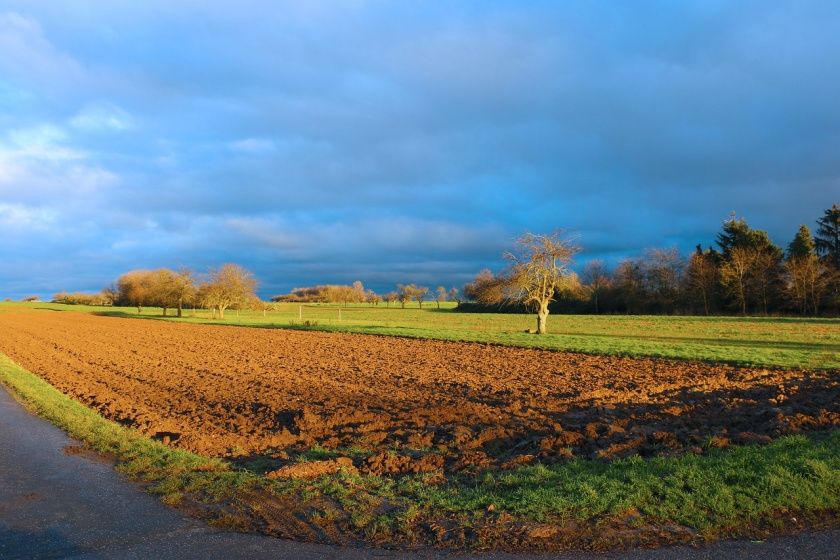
[(356, 293), (228, 287), (744, 273), (233, 287)]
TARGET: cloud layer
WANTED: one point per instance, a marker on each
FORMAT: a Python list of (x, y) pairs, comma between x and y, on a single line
[(397, 142)]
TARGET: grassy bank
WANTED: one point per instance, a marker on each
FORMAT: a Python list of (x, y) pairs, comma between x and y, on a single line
[(753, 341), (741, 491)]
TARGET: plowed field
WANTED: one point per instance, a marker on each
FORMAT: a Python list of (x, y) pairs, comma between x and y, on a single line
[(244, 392)]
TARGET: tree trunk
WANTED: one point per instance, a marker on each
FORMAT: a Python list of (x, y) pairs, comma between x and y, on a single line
[(180, 309), (221, 313), (815, 300), (164, 312), (742, 297), (542, 317)]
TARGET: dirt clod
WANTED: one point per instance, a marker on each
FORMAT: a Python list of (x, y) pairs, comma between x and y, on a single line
[(314, 469)]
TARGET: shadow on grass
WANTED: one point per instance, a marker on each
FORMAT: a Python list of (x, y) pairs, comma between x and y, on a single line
[(126, 315)]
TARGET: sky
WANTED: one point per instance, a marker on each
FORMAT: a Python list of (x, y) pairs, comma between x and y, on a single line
[(331, 141)]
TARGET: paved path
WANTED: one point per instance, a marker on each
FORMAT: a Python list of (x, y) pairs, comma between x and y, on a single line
[(55, 505)]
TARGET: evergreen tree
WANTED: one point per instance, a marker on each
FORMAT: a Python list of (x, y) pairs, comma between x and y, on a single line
[(751, 268), (736, 233), (827, 240), (802, 245)]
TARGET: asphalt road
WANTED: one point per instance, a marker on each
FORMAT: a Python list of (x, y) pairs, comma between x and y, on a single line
[(58, 505)]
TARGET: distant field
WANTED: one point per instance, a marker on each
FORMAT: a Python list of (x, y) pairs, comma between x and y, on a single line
[(755, 341)]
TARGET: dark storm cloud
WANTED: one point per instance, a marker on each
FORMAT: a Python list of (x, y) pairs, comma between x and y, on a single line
[(394, 142)]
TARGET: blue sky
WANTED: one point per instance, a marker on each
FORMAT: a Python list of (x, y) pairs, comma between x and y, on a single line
[(329, 141)]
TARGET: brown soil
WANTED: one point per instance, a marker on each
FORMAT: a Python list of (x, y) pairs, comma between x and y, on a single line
[(242, 392)]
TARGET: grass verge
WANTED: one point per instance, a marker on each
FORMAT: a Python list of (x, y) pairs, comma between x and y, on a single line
[(788, 485)]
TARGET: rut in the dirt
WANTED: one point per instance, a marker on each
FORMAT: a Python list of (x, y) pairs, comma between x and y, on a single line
[(432, 406)]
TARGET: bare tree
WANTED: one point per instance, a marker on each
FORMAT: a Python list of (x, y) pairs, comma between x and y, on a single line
[(486, 288), (663, 274), (373, 298), (229, 286), (328, 293), (405, 293), (702, 273), (804, 282), (735, 274), (420, 293), (111, 292), (453, 296), (765, 270), (440, 295), (390, 298), (183, 289), (78, 298), (357, 293), (629, 279), (539, 269), (597, 280), (409, 292), (257, 304), (135, 288), (161, 289), (807, 277)]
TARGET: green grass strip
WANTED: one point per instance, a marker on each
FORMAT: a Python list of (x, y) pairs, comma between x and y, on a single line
[(740, 486)]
